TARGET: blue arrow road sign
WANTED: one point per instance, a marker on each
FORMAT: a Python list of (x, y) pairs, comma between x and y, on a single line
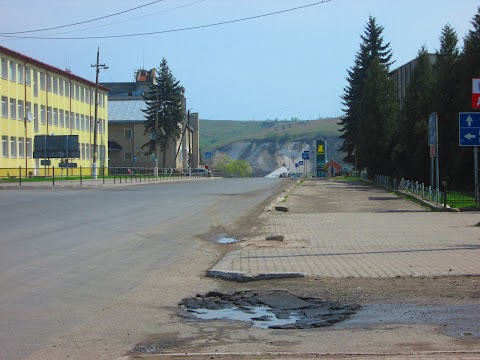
[(469, 126)]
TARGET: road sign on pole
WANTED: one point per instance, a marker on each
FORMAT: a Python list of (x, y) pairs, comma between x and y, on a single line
[(432, 129), (476, 94), (469, 129)]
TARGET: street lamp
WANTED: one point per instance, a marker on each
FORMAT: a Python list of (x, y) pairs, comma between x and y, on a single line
[(98, 66)]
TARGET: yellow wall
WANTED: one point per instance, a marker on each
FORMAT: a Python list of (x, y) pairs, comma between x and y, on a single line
[(17, 90)]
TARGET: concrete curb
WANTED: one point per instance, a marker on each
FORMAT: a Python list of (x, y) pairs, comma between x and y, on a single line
[(244, 277)]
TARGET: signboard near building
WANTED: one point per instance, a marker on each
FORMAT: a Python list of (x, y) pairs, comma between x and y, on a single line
[(320, 146), (59, 146)]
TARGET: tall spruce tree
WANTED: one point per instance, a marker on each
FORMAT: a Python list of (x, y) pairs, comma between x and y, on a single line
[(445, 72), (379, 120), (164, 97), (468, 68), (411, 155), (373, 53)]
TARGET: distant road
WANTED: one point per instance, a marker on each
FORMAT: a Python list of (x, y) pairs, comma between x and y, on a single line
[(66, 254)]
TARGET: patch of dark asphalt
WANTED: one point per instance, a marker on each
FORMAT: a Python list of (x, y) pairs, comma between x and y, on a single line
[(273, 309)]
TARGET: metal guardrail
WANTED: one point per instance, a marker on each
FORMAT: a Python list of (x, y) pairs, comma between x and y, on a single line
[(78, 175)]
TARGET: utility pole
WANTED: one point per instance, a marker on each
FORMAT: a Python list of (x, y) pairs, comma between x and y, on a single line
[(155, 170), (98, 66)]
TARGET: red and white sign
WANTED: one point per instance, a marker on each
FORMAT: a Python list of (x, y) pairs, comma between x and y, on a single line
[(475, 93)]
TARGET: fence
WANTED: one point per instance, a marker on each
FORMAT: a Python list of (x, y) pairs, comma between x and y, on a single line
[(113, 175), (412, 187)]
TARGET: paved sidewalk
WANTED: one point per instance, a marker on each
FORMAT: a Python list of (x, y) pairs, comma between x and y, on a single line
[(355, 231)]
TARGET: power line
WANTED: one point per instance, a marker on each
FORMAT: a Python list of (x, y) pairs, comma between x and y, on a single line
[(82, 22), (131, 19), (172, 30)]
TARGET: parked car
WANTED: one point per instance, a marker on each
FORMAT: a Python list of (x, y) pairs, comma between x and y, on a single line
[(199, 172)]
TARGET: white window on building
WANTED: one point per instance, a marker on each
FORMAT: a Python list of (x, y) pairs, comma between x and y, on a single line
[(77, 121), (87, 122), (4, 68), (13, 71), (72, 121), (29, 148), (61, 87), (4, 146), (83, 151), (77, 92), (21, 110), (61, 118), (35, 117), (67, 119), (21, 147), (13, 147), (49, 83), (87, 96), (102, 152), (5, 107), (28, 109), (13, 109), (20, 73), (87, 151), (28, 77), (35, 83), (43, 115), (127, 156), (42, 81), (55, 116), (127, 133), (82, 122), (82, 94), (49, 115), (55, 84), (67, 88)]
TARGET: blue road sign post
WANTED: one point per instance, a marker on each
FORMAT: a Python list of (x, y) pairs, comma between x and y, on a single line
[(208, 155), (469, 135), (433, 142)]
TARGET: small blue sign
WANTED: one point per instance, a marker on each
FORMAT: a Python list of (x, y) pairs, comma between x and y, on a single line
[(208, 155), (305, 155), (432, 129), (469, 126), (300, 162), (296, 164)]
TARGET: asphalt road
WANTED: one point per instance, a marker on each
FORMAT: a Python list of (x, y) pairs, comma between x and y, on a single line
[(66, 254)]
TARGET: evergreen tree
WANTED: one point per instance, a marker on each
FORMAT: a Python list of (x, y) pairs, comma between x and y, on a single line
[(165, 98), (372, 51), (445, 99), (379, 120), (411, 153), (468, 68)]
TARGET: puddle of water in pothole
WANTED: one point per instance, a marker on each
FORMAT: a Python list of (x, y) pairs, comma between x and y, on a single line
[(260, 317), (226, 240), (223, 239)]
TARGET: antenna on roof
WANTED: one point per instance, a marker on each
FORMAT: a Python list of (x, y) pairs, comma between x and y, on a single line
[(67, 69)]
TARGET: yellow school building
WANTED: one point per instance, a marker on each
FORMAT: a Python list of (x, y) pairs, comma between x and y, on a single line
[(41, 100)]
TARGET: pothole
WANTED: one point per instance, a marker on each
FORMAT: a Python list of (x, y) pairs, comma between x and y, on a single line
[(273, 309), (223, 239)]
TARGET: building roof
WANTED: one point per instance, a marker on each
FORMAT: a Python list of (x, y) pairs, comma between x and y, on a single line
[(67, 74), (126, 110)]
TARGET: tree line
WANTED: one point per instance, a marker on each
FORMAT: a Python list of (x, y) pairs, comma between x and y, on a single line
[(389, 137)]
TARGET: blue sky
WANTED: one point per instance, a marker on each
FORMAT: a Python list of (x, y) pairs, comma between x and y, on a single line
[(282, 66)]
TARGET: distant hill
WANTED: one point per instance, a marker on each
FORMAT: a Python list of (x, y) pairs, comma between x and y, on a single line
[(216, 135)]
